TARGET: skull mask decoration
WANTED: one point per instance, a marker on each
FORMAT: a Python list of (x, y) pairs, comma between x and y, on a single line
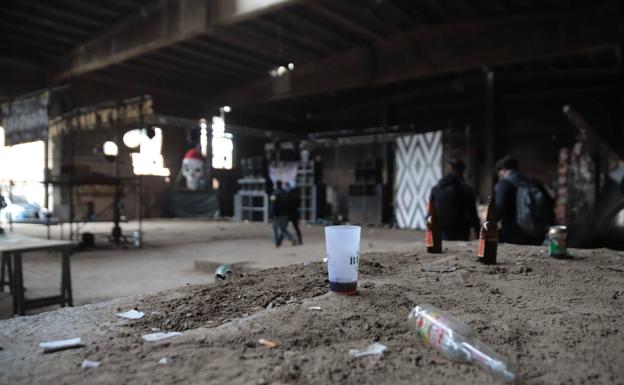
[(193, 169)]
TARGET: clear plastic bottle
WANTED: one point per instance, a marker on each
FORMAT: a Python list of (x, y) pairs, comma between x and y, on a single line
[(457, 341)]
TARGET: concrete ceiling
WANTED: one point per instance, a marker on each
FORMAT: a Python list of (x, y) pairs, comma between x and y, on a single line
[(222, 51)]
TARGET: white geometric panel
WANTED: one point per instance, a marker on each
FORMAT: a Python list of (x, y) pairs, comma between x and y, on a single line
[(418, 169)]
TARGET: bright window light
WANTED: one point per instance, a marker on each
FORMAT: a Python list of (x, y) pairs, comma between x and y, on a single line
[(222, 149), (222, 145), (218, 126), (26, 171), (149, 160), (203, 142)]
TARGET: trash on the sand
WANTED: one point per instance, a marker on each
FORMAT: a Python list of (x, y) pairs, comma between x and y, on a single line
[(325, 260), (159, 336), (163, 361), (268, 343), (457, 341), (314, 308), (155, 329), (373, 350), (439, 268), (131, 314), (87, 364), (557, 244), (53, 346), (223, 272)]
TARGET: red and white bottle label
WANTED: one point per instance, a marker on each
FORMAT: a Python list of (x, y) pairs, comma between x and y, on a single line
[(429, 238), (481, 249)]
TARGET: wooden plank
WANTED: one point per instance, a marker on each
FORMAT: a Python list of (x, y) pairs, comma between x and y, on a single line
[(23, 243)]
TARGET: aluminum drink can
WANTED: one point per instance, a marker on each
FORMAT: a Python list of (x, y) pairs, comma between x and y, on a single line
[(557, 241), (137, 238), (223, 272)]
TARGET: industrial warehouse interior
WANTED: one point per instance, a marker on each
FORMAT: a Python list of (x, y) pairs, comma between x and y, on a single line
[(275, 192)]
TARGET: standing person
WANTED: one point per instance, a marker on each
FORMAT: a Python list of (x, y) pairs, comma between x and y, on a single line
[(279, 214), (523, 206), (2, 206), (455, 204), (294, 202)]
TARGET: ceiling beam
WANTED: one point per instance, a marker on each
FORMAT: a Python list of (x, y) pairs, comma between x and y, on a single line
[(215, 47), (162, 24), (443, 49), (41, 22), (342, 20), (129, 81)]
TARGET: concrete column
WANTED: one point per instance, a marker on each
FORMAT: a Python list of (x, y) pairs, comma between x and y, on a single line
[(490, 131)]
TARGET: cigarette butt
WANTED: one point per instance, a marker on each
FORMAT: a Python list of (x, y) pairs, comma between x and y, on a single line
[(268, 343)]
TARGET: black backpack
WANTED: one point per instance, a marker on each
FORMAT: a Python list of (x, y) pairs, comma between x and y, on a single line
[(534, 206)]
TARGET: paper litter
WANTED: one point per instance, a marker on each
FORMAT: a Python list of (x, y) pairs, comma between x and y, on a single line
[(159, 336), (131, 314), (163, 361), (372, 350), (87, 364), (53, 346), (439, 268), (314, 308), (268, 343)]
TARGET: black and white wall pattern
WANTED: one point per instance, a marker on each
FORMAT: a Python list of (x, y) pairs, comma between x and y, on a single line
[(418, 168)]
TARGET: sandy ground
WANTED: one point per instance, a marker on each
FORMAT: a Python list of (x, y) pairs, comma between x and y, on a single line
[(558, 321), (170, 251)]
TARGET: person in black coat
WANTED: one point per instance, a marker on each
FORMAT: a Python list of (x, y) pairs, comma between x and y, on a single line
[(294, 202), (279, 214), (455, 204)]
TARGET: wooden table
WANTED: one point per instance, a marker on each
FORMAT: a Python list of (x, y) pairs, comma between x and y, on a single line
[(12, 246)]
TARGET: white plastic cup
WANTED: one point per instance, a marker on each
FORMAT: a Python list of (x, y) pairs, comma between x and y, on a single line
[(343, 256)]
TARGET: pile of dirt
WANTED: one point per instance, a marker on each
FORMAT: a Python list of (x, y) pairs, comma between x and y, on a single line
[(558, 321), (239, 296)]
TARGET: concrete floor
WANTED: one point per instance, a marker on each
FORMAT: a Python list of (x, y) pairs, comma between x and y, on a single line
[(171, 249)]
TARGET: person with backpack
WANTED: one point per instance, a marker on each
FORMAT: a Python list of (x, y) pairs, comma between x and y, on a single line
[(455, 204), (523, 206)]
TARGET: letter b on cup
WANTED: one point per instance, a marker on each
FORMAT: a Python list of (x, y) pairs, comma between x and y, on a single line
[(343, 253)]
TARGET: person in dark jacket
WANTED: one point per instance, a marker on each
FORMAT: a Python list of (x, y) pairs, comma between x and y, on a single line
[(455, 204), (294, 202), (3, 205), (506, 191), (279, 214)]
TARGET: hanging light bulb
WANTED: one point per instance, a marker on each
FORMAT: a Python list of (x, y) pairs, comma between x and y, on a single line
[(110, 149), (132, 138)]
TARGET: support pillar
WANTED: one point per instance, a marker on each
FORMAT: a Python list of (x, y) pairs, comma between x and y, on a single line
[(490, 131)]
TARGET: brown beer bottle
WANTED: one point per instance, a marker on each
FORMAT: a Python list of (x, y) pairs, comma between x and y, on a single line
[(488, 236), (433, 235)]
